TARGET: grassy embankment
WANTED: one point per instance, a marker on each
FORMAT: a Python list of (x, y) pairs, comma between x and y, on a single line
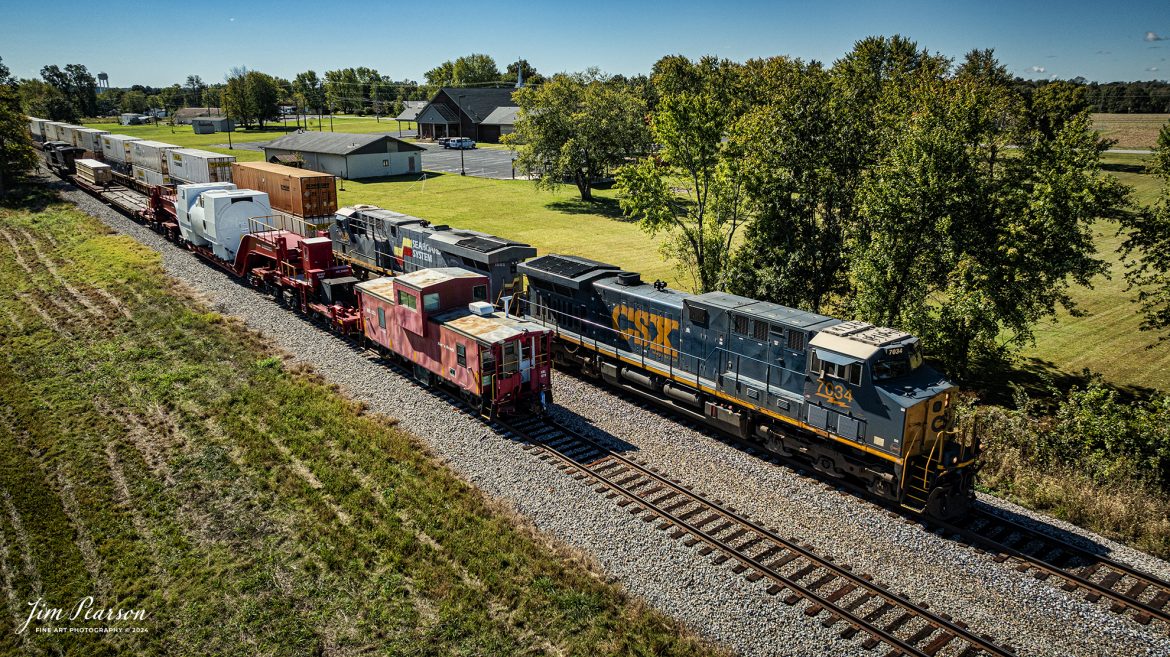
[(159, 456)]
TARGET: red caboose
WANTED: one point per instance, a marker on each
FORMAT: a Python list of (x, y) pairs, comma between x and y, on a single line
[(438, 320)]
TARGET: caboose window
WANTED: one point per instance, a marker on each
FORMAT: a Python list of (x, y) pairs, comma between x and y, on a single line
[(431, 302), (740, 325), (479, 293), (407, 300), (381, 317), (461, 355)]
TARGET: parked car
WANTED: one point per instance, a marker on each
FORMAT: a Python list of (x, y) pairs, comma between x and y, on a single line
[(460, 143), (442, 141)]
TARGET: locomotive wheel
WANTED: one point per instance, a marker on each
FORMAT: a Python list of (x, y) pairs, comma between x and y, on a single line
[(941, 504)]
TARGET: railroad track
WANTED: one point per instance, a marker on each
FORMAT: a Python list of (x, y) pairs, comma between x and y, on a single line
[(833, 592), (1127, 590)]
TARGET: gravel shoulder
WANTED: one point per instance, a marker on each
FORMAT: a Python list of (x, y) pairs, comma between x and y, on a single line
[(1036, 617)]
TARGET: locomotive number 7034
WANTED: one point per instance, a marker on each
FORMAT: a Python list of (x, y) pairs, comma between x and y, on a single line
[(834, 393)]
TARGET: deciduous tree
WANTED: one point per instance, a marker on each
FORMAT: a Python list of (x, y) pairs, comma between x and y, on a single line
[(17, 156), (577, 127), (1147, 246), (692, 187)]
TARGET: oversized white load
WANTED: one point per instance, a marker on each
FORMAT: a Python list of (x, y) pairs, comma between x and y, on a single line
[(94, 172), (215, 215), (191, 165), (116, 148), (150, 154)]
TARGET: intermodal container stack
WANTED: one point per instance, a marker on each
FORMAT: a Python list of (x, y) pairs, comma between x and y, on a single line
[(150, 160), (310, 197), (191, 165), (116, 149), (90, 139), (37, 128)]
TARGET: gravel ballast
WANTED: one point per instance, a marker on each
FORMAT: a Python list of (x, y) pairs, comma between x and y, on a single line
[(1036, 617)]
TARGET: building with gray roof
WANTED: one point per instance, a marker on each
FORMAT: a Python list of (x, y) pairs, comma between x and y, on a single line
[(346, 155)]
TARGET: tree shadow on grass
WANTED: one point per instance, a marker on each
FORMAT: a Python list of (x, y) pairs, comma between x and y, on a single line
[(1124, 168), (1041, 379), (606, 207)]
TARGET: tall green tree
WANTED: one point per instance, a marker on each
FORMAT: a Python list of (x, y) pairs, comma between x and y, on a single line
[(469, 70), (251, 97), (195, 87), (800, 167), (577, 127), (17, 155), (963, 245), (531, 76), (308, 89), (77, 85), (691, 188)]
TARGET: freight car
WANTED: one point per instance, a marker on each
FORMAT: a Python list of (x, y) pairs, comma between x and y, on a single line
[(436, 320), (853, 399), (383, 242)]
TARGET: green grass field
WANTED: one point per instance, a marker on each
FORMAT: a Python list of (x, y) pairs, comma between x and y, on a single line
[(1132, 131), (157, 456)]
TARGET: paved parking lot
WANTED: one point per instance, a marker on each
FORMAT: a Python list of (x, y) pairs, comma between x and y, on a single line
[(479, 162)]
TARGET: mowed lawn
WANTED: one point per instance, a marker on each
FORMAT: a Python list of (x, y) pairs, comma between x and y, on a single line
[(160, 457), (1107, 339)]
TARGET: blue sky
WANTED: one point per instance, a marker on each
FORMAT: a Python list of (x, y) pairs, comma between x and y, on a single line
[(160, 43)]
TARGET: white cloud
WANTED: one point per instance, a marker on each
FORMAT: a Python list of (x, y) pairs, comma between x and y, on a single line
[(1152, 68), (232, 20), (1037, 69), (1153, 36)]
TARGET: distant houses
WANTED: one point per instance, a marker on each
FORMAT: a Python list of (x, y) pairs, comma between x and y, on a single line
[(345, 155), (481, 114)]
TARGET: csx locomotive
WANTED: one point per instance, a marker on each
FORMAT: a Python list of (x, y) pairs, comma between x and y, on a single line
[(853, 399)]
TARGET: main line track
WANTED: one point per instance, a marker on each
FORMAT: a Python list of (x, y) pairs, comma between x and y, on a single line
[(833, 591)]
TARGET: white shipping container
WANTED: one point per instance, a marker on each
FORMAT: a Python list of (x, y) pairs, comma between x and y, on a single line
[(69, 133), (49, 130), (150, 154), (116, 148), (36, 126), (191, 165), (150, 176), (90, 139)]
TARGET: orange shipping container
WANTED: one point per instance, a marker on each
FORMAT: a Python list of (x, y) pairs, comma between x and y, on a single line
[(295, 191)]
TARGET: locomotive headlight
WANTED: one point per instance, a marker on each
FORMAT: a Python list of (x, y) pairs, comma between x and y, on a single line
[(954, 460)]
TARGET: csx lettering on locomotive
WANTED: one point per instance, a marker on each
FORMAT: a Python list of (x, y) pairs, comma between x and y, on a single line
[(645, 329)]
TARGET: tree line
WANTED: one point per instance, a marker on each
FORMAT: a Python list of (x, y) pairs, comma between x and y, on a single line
[(253, 97), (893, 186), (1149, 97)]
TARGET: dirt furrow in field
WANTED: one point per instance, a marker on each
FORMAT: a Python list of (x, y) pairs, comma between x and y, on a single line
[(47, 262), (141, 438), (18, 607), (30, 568), (301, 470), (15, 251), (122, 490), (82, 538), (13, 318)]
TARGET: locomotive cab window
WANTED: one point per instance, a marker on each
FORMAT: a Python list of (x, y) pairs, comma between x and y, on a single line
[(837, 367)]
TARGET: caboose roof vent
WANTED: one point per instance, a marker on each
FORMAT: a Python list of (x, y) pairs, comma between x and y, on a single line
[(481, 308)]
